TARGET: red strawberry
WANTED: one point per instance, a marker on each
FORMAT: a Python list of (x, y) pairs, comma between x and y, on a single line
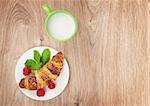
[(51, 85), (40, 92), (26, 71)]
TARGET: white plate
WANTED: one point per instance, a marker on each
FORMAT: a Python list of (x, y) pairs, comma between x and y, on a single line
[(61, 81)]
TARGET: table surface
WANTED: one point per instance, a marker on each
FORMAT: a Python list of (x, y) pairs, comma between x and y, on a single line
[(108, 57)]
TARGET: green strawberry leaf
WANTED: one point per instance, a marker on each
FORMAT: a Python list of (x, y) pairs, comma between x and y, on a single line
[(36, 66), (45, 56), (37, 56), (29, 63)]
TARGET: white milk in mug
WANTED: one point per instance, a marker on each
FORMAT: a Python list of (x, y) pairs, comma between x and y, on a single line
[(61, 26)]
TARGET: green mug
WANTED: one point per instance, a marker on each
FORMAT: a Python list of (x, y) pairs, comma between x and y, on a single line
[(60, 25)]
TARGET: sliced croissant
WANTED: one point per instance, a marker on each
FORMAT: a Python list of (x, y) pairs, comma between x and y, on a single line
[(49, 72)]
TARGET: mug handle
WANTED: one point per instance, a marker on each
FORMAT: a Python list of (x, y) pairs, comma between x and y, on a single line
[(47, 9)]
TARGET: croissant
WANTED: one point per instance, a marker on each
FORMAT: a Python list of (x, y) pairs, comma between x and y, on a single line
[(40, 78)]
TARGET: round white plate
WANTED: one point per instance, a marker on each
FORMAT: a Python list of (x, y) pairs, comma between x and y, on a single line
[(61, 81)]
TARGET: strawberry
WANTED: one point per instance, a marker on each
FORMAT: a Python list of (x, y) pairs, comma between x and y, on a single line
[(26, 71), (51, 85), (40, 92)]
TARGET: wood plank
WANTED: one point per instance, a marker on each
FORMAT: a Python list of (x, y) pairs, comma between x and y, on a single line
[(108, 57)]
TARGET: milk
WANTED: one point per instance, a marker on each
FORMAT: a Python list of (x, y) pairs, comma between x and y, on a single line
[(61, 26)]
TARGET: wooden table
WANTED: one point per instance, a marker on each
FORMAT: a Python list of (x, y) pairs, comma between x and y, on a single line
[(108, 57)]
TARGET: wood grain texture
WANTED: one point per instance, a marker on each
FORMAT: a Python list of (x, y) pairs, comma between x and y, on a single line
[(109, 57)]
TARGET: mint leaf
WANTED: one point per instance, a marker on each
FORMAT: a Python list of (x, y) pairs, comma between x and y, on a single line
[(37, 56), (45, 56), (36, 66), (29, 63)]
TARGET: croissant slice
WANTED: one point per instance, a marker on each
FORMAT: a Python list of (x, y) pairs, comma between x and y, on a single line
[(29, 82), (56, 63)]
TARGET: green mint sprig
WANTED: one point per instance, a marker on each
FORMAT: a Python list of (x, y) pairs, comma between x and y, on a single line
[(39, 60)]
